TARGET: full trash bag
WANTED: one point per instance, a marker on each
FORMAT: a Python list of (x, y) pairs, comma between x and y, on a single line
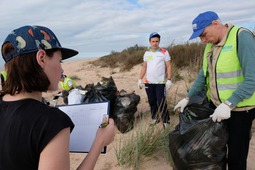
[(92, 95), (124, 110), (197, 142), (108, 89)]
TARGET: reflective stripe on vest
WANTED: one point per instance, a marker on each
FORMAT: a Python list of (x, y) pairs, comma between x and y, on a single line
[(229, 73)]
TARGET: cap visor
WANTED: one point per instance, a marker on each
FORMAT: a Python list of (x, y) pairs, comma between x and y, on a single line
[(68, 53), (196, 34)]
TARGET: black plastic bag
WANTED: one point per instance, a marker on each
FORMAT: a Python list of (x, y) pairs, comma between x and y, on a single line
[(197, 142), (108, 89), (93, 96), (124, 110)]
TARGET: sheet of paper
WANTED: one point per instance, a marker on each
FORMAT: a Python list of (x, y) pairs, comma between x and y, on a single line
[(87, 118)]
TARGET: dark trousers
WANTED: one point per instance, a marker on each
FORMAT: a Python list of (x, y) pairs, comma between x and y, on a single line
[(156, 97), (239, 128)]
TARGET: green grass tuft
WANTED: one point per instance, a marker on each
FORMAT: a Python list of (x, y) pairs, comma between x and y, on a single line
[(142, 144)]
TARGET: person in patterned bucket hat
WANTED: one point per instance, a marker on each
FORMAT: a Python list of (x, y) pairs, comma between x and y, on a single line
[(34, 135)]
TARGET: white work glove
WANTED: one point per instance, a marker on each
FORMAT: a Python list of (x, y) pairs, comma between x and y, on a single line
[(168, 84), (221, 112), (140, 84), (182, 104)]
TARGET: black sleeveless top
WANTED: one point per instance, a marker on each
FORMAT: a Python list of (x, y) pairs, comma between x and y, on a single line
[(26, 127)]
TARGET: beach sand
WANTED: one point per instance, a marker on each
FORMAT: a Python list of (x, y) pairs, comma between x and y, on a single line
[(89, 74)]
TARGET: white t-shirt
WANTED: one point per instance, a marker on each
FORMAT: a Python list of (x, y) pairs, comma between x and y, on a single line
[(156, 65)]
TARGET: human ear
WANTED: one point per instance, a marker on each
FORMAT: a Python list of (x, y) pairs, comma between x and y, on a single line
[(40, 57), (215, 22)]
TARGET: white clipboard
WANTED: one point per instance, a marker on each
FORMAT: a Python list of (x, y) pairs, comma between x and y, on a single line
[(86, 118)]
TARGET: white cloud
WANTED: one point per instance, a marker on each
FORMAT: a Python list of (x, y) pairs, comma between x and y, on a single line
[(102, 26)]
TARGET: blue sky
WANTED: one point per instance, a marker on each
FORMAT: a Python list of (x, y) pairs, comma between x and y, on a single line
[(97, 27)]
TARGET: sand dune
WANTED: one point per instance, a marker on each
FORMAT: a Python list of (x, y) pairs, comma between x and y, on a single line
[(128, 81)]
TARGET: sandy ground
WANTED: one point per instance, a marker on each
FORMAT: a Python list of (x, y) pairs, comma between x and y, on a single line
[(89, 73)]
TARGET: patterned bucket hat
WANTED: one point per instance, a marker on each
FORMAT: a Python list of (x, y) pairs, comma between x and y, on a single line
[(28, 39)]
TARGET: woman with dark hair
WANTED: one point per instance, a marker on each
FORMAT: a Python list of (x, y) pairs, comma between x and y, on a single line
[(34, 135)]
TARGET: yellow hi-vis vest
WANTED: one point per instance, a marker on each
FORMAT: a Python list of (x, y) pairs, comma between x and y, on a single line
[(65, 85), (228, 73)]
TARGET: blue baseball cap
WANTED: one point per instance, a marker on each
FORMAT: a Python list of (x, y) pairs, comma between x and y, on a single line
[(28, 39), (154, 34), (201, 22)]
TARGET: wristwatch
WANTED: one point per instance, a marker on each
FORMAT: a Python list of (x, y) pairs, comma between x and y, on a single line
[(230, 105)]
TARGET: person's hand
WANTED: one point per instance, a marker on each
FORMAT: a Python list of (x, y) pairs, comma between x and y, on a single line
[(168, 84), (221, 112), (182, 104), (140, 84), (106, 134)]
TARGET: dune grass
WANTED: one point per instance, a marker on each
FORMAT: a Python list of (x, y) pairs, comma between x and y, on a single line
[(145, 142), (142, 144)]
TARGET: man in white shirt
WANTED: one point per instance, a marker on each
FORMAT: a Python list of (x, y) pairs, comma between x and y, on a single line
[(156, 63)]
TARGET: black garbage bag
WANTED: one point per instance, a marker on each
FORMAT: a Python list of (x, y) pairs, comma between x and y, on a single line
[(199, 98), (124, 110), (92, 95), (197, 142), (108, 89)]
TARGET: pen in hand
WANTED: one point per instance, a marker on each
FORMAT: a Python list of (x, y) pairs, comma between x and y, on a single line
[(105, 121)]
